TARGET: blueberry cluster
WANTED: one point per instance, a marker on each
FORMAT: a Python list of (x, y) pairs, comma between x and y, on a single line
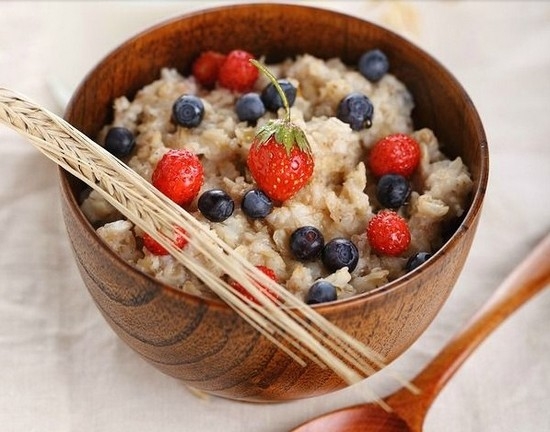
[(251, 106), (356, 109), (216, 205), (393, 192), (307, 243)]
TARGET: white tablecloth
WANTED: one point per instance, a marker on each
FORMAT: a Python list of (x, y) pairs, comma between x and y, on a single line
[(63, 369)]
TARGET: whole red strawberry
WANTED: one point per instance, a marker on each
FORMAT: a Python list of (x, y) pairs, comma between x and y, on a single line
[(267, 271), (237, 73), (180, 241), (394, 154), (206, 68), (388, 233), (179, 175), (280, 159)]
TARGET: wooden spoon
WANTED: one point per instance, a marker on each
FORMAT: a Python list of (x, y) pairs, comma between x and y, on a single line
[(409, 410)]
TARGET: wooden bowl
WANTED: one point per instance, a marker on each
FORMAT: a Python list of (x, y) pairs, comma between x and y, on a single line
[(203, 342)]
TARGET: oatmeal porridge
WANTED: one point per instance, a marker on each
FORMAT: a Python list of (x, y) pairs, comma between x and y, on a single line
[(340, 199)]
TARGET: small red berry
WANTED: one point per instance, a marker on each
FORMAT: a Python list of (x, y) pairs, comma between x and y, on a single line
[(394, 154), (180, 241), (271, 274), (388, 233), (179, 175), (206, 67), (280, 173), (237, 73), (280, 158)]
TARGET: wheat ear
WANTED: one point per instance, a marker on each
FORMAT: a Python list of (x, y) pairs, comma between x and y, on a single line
[(306, 333)]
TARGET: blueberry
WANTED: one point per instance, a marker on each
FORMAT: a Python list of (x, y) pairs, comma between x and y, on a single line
[(417, 259), (393, 190), (271, 98), (119, 141), (338, 253), (188, 111), (256, 204), (356, 109), (306, 243), (249, 107), (216, 205), (373, 65), (321, 292)]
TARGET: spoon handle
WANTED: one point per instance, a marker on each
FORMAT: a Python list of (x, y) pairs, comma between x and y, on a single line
[(530, 277)]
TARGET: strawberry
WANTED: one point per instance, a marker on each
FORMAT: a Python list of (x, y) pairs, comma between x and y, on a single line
[(207, 66), (279, 158), (237, 73), (388, 233), (180, 241), (267, 271), (179, 175), (394, 154)]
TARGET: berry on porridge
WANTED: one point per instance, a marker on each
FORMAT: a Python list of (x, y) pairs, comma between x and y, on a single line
[(394, 154), (236, 73), (393, 190), (272, 99), (216, 205), (279, 158), (188, 111), (388, 233), (312, 171), (119, 141), (156, 248), (340, 253), (356, 109), (306, 243), (321, 292), (267, 271), (417, 259), (206, 68), (250, 107), (256, 204), (179, 175), (373, 65)]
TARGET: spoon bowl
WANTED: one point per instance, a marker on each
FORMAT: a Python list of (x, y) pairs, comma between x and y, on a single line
[(409, 410)]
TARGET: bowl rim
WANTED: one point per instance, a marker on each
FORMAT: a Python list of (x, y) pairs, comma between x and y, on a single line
[(468, 219)]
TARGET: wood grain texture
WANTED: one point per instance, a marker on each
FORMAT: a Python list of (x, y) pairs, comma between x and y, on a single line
[(202, 341)]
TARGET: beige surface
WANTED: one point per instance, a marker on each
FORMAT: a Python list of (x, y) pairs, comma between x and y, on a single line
[(61, 367)]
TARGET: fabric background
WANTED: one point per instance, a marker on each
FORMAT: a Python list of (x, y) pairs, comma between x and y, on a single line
[(62, 368)]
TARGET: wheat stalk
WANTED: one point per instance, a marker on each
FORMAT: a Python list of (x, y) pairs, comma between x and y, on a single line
[(302, 331)]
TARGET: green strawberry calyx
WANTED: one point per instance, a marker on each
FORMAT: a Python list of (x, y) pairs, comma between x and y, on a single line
[(283, 130)]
